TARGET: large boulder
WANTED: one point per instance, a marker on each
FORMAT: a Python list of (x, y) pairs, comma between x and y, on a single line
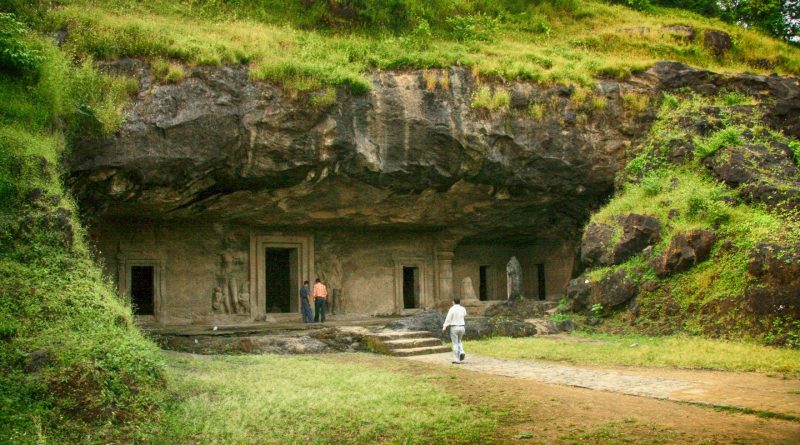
[(612, 290), (596, 245), (639, 231), (684, 251), (718, 42)]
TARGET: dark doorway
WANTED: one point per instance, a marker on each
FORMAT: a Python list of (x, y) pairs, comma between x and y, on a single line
[(278, 280), (540, 278), (142, 289), (410, 287), (483, 286)]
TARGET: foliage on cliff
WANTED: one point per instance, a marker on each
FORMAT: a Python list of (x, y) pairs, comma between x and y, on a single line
[(713, 168), (71, 361), (307, 45)]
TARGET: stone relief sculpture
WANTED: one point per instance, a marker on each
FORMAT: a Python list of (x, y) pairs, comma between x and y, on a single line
[(514, 278), (243, 301), (217, 301), (229, 297)]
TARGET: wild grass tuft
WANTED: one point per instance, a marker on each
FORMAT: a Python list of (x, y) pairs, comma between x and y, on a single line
[(726, 137), (487, 98)]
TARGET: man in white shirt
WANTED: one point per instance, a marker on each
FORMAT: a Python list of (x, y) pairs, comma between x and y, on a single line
[(455, 319)]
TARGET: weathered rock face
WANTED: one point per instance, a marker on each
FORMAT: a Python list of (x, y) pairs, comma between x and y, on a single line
[(611, 291), (760, 173), (777, 270), (684, 251), (639, 231), (596, 245)]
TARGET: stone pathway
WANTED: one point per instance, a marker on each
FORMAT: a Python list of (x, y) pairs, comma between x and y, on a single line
[(749, 391)]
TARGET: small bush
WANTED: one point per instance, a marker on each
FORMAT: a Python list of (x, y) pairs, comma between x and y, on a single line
[(470, 28), (536, 111), (324, 98), (734, 98), (794, 146), (167, 72), (635, 102), (597, 104), (487, 99), (17, 54), (726, 137)]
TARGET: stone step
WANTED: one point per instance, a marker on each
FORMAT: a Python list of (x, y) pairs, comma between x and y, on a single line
[(407, 343), (421, 351), (397, 335)]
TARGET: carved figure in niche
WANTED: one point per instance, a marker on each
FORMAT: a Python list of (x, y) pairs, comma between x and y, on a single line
[(244, 299), (217, 300), (514, 279), (230, 280)]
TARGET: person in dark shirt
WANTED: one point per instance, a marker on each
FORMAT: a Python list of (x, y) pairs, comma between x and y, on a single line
[(305, 301)]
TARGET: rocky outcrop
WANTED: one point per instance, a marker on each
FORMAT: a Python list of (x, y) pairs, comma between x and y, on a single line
[(638, 232), (220, 146), (760, 173), (684, 251), (597, 245), (777, 271), (612, 290)]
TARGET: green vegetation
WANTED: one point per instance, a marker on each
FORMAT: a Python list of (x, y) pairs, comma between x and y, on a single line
[(709, 298), (636, 350), (71, 359), (629, 430), (332, 43), (487, 99), (280, 399)]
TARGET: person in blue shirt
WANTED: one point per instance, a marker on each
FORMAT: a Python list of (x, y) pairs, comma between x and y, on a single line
[(305, 294)]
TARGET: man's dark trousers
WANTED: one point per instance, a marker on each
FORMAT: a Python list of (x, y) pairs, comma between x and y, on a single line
[(319, 308)]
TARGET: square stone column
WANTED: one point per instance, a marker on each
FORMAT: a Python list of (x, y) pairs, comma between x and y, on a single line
[(444, 259)]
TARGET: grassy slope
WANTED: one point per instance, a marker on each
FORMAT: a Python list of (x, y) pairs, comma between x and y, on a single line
[(709, 297), (636, 350), (71, 359), (279, 399), (549, 41)]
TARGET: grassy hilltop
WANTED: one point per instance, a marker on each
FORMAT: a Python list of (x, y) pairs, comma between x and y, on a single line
[(308, 45), (71, 360)]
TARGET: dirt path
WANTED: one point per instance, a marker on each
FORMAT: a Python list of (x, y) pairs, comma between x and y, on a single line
[(529, 411), (740, 390)]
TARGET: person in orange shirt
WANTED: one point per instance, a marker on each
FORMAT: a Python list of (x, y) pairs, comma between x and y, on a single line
[(320, 297)]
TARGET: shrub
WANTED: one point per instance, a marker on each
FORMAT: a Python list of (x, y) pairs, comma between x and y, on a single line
[(487, 99), (470, 28), (635, 102), (536, 111), (17, 54), (794, 146), (726, 137)]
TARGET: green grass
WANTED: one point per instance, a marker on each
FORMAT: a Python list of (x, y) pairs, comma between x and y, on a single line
[(96, 371), (306, 48), (282, 399), (660, 352)]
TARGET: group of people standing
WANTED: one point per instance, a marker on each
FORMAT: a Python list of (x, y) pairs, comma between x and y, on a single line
[(320, 295)]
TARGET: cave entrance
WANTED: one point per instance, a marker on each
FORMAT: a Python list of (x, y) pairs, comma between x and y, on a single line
[(142, 289), (280, 275), (410, 287), (541, 289), (485, 276)]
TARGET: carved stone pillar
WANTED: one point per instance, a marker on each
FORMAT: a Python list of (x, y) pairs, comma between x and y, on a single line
[(445, 261)]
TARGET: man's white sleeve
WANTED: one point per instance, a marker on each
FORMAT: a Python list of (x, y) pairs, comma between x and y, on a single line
[(449, 319)]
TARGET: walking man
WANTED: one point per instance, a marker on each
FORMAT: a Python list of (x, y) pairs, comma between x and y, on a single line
[(305, 302), (320, 295), (455, 319)]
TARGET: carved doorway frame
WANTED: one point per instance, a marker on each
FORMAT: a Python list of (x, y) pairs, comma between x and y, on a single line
[(259, 243), (425, 290)]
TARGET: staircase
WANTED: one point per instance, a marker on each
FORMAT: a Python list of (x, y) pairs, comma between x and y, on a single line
[(407, 343)]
